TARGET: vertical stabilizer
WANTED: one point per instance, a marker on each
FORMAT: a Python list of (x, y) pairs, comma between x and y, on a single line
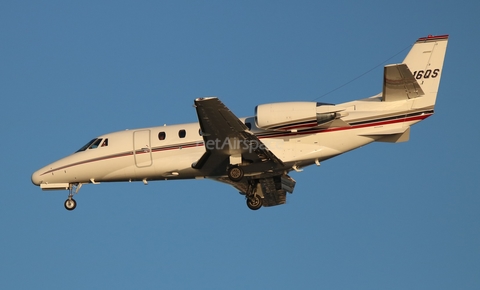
[(425, 61)]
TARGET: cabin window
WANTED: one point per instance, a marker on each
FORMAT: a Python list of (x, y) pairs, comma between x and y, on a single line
[(162, 136), (249, 125), (182, 133)]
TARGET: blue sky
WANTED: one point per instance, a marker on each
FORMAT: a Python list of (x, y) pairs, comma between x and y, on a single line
[(386, 216)]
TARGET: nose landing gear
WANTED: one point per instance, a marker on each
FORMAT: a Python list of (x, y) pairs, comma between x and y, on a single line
[(70, 203)]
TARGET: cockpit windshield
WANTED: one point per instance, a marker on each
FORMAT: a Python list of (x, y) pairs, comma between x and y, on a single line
[(94, 143), (87, 145)]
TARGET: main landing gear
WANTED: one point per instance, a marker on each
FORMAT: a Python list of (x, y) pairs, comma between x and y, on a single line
[(235, 173), (254, 202), (70, 204)]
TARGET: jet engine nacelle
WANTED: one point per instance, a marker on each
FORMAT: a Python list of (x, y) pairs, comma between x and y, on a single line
[(292, 116)]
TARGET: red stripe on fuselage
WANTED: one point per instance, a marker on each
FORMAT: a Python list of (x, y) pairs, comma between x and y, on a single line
[(275, 135), (371, 124)]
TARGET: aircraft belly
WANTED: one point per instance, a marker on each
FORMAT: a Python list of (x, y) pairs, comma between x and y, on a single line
[(176, 164), (322, 146), (344, 141), (297, 150)]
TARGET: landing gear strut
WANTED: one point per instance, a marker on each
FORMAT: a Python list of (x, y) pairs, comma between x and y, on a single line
[(70, 203), (254, 201)]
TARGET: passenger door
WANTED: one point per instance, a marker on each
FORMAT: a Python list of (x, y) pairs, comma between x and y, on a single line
[(142, 151)]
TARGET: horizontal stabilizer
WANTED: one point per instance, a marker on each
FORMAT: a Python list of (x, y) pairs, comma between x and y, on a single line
[(399, 84)]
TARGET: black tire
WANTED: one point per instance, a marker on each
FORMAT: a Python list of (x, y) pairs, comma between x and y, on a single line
[(70, 204), (255, 202), (235, 173)]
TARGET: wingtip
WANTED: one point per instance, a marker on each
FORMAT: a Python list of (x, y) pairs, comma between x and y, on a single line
[(204, 99)]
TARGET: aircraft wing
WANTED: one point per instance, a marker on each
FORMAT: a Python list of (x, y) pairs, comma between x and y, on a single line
[(228, 142)]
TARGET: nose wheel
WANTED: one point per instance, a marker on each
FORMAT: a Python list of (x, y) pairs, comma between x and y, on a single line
[(70, 204)]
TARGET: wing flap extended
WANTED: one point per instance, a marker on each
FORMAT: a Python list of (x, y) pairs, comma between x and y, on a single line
[(399, 84), (272, 189), (271, 194)]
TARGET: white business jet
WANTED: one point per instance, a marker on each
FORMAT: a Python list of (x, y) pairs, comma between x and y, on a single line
[(255, 154)]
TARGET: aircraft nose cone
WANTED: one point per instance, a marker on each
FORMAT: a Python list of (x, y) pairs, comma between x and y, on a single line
[(36, 178)]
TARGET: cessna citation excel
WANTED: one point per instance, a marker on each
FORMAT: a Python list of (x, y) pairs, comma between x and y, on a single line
[(255, 154)]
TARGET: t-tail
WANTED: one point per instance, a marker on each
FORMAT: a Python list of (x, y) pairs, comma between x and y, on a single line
[(418, 76)]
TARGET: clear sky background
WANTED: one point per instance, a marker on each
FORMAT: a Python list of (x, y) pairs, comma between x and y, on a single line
[(386, 216)]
